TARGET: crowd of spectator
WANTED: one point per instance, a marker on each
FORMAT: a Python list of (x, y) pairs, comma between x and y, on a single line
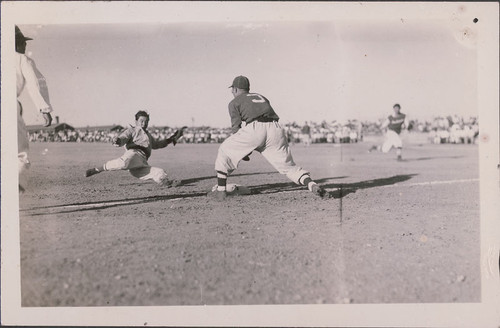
[(324, 132), (68, 135), (451, 129)]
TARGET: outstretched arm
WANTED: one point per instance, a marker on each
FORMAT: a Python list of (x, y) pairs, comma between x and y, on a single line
[(172, 139), (122, 139), (385, 124), (157, 144), (36, 85), (404, 126)]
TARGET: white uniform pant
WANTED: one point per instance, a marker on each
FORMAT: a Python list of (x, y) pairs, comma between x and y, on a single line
[(306, 139), (392, 139), (137, 164), (269, 139), (22, 149)]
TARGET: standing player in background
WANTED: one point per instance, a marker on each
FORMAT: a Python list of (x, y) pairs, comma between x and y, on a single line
[(261, 133), (394, 124), (306, 134), (138, 143), (29, 77)]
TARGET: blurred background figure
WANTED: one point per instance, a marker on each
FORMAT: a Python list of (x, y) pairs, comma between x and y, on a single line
[(394, 124), (306, 134)]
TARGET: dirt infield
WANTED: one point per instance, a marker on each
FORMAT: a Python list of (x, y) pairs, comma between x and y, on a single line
[(402, 232)]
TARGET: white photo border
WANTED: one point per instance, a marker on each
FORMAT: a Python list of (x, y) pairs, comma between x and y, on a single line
[(485, 313)]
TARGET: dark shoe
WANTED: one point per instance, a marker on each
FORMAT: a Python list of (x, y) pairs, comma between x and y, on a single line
[(400, 159), (91, 172), (171, 183), (247, 157), (341, 192), (175, 183), (48, 119), (318, 190), (219, 195)]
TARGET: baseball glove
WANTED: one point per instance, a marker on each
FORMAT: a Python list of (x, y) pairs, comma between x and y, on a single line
[(115, 141), (177, 135), (247, 157)]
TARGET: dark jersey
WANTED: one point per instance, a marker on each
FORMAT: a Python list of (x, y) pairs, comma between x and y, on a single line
[(249, 107), (396, 122), (306, 129)]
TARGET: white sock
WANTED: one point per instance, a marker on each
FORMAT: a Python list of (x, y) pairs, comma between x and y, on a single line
[(310, 185), (303, 178), (221, 188)]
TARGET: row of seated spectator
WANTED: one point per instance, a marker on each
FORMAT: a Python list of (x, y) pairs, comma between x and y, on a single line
[(440, 130), (454, 130)]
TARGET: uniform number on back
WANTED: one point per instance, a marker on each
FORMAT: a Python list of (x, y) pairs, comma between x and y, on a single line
[(258, 98)]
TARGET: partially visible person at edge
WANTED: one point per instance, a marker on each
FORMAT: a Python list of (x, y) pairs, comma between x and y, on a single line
[(28, 77), (262, 133)]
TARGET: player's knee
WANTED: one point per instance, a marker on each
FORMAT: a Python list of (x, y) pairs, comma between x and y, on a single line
[(223, 147), (117, 164), (223, 163)]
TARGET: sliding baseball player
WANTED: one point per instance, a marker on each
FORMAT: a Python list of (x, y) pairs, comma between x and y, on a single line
[(139, 143)]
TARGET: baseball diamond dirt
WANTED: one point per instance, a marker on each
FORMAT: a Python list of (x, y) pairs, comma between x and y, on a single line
[(402, 232)]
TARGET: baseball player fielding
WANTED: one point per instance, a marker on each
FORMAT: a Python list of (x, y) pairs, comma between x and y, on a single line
[(262, 133)]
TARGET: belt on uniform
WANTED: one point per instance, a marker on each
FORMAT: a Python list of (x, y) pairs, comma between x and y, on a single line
[(143, 150), (264, 119)]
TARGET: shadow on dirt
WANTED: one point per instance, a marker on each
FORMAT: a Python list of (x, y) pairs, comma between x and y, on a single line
[(286, 186), (430, 158), (191, 181), (349, 188), (100, 205), (188, 182), (342, 189)]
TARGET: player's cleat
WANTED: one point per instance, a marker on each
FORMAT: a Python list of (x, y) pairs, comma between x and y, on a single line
[(175, 183), (171, 183), (247, 157), (337, 193), (372, 149), (318, 190), (48, 119), (91, 172), (219, 195), (400, 159)]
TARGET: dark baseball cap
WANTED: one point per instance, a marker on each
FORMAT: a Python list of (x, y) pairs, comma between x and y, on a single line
[(241, 82), (20, 35)]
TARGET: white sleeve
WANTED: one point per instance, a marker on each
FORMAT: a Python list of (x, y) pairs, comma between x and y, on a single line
[(36, 85)]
